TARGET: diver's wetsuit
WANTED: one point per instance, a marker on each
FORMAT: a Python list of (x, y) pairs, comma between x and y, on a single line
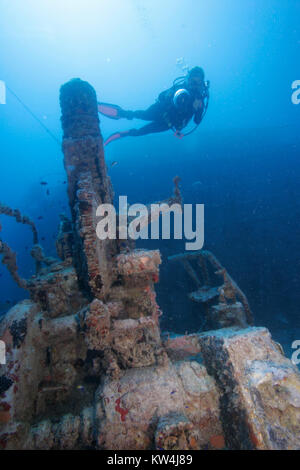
[(164, 115)]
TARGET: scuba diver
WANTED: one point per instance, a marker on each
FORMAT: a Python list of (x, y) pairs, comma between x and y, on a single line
[(173, 109)]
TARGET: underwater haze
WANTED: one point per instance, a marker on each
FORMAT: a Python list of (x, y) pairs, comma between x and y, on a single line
[(242, 162)]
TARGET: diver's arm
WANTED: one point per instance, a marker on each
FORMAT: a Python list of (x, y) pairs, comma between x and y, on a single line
[(199, 108)]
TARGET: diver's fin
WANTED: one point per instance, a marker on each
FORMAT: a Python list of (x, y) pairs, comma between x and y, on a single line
[(115, 136), (112, 111)]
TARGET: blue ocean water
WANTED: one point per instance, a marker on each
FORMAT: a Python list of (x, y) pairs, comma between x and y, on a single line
[(242, 162)]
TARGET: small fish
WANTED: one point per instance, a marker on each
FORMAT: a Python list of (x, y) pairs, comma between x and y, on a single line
[(114, 163), (172, 393), (80, 387), (40, 217), (64, 182), (43, 183), (48, 192), (54, 388), (43, 239)]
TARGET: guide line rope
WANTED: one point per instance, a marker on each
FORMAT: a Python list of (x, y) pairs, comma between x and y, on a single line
[(35, 116)]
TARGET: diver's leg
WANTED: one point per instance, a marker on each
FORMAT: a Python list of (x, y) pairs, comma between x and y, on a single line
[(150, 114), (114, 111), (148, 129), (153, 113)]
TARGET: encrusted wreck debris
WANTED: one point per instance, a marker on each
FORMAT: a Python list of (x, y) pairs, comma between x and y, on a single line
[(22, 219), (225, 304), (9, 259), (86, 366)]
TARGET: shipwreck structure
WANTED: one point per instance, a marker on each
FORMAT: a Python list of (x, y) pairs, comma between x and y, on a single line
[(86, 366), (225, 305)]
